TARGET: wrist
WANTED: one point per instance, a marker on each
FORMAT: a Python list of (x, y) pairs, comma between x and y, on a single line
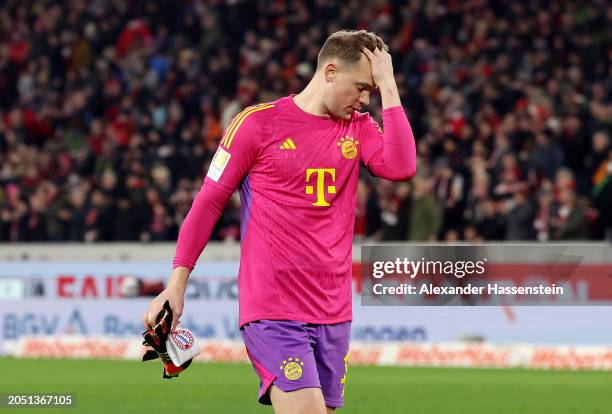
[(176, 287), (389, 94), (178, 279), (387, 85)]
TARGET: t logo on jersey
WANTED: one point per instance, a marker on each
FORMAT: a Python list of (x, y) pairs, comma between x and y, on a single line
[(321, 188)]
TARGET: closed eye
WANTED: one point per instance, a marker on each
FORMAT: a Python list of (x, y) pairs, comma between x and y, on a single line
[(363, 87)]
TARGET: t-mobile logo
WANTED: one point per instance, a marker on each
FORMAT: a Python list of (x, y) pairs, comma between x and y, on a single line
[(321, 188)]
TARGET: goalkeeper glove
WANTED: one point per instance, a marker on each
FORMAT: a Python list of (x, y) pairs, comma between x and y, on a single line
[(176, 350)]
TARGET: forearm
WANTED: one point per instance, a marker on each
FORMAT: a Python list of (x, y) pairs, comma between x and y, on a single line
[(197, 228), (178, 278), (397, 159), (389, 94)]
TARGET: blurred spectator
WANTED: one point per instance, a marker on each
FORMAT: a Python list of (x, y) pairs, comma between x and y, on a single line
[(448, 188), (425, 212), (546, 156), (569, 222), (470, 234), (75, 215), (602, 193), (490, 225), (394, 206), (519, 217), (598, 158), (542, 222)]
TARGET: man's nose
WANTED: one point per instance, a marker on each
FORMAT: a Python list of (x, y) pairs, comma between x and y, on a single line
[(364, 98)]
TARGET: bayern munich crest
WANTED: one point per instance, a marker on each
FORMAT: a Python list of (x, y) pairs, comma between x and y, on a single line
[(348, 146), (183, 339), (292, 368)]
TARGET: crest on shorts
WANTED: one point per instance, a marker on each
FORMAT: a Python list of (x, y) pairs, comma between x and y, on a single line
[(348, 146), (292, 368)]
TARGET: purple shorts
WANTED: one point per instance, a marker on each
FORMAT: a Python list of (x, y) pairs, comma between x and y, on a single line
[(294, 355)]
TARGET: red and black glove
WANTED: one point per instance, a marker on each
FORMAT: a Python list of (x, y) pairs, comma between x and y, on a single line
[(157, 338)]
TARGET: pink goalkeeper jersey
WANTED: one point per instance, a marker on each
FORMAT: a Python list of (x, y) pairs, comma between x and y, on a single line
[(298, 175)]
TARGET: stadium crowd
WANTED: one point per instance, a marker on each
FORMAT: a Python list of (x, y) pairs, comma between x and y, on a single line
[(110, 112)]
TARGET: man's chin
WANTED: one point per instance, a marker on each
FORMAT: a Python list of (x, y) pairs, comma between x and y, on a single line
[(345, 115)]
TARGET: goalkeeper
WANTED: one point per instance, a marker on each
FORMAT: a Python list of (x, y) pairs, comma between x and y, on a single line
[(296, 162)]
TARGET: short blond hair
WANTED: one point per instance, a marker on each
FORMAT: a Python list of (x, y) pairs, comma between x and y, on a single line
[(346, 45)]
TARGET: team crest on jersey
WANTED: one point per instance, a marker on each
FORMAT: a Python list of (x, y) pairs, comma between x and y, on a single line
[(292, 368), (348, 146)]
